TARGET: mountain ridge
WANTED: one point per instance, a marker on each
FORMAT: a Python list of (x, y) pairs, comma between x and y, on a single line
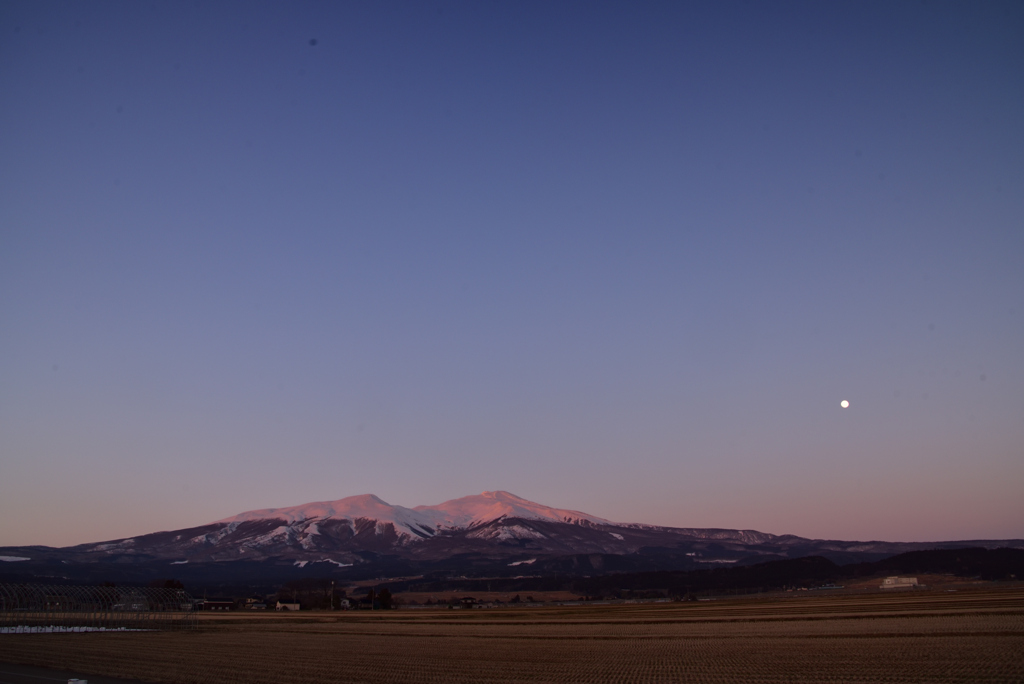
[(492, 533), (464, 512)]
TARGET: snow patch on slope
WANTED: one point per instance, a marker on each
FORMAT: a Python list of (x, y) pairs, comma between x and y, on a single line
[(273, 535), (338, 563), (304, 563), (407, 522), (214, 537)]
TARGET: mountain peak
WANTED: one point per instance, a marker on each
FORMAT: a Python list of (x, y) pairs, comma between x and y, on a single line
[(352, 507), (468, 511), (505, 496)]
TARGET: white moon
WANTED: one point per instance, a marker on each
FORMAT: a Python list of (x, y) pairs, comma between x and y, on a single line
[(844, 404)]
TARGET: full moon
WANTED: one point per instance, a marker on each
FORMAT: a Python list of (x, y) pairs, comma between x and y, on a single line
[(844, 404)]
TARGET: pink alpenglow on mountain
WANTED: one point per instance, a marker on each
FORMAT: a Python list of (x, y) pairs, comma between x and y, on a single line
[(471, 511), (361, 507), (466, 512)]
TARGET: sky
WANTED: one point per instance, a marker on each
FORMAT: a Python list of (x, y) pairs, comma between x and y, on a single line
[(625, 258)]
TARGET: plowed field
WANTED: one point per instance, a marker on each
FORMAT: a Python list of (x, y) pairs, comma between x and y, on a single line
[(919, 636)]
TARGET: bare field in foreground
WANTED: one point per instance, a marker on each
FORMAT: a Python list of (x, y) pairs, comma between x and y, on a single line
[(920, 636)]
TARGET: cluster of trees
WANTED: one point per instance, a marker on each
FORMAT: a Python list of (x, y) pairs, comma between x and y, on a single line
[(321, 594), (379, 599), (312, 593), (155, 584), (454, 601)]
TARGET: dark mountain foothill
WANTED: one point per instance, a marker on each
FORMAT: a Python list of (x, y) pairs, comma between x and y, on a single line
[(807, 572)]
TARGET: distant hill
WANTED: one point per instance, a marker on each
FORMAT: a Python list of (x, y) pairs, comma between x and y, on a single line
[(808, 572)]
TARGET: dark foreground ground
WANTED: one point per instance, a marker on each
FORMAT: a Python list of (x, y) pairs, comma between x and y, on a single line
[(24, 674), (917, 636)]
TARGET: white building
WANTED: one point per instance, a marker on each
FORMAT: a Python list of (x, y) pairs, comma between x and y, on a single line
[(898, 582)]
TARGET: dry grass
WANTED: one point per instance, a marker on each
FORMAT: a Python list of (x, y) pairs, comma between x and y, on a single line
[(920, 636)]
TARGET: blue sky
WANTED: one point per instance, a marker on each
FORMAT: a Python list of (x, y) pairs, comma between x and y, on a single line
[(621, 258)]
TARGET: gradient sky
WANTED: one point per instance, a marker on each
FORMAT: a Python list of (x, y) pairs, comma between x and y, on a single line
[(625, 258)]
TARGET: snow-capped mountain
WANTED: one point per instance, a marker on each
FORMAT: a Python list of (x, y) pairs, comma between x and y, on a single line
[(421, 521), (491, 533), (358, 529)]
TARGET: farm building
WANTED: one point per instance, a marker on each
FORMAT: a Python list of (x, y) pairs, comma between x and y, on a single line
[(898, 582), (217, 604)]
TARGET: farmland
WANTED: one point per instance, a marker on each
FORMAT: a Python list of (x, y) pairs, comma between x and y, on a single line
[(917, 636)]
